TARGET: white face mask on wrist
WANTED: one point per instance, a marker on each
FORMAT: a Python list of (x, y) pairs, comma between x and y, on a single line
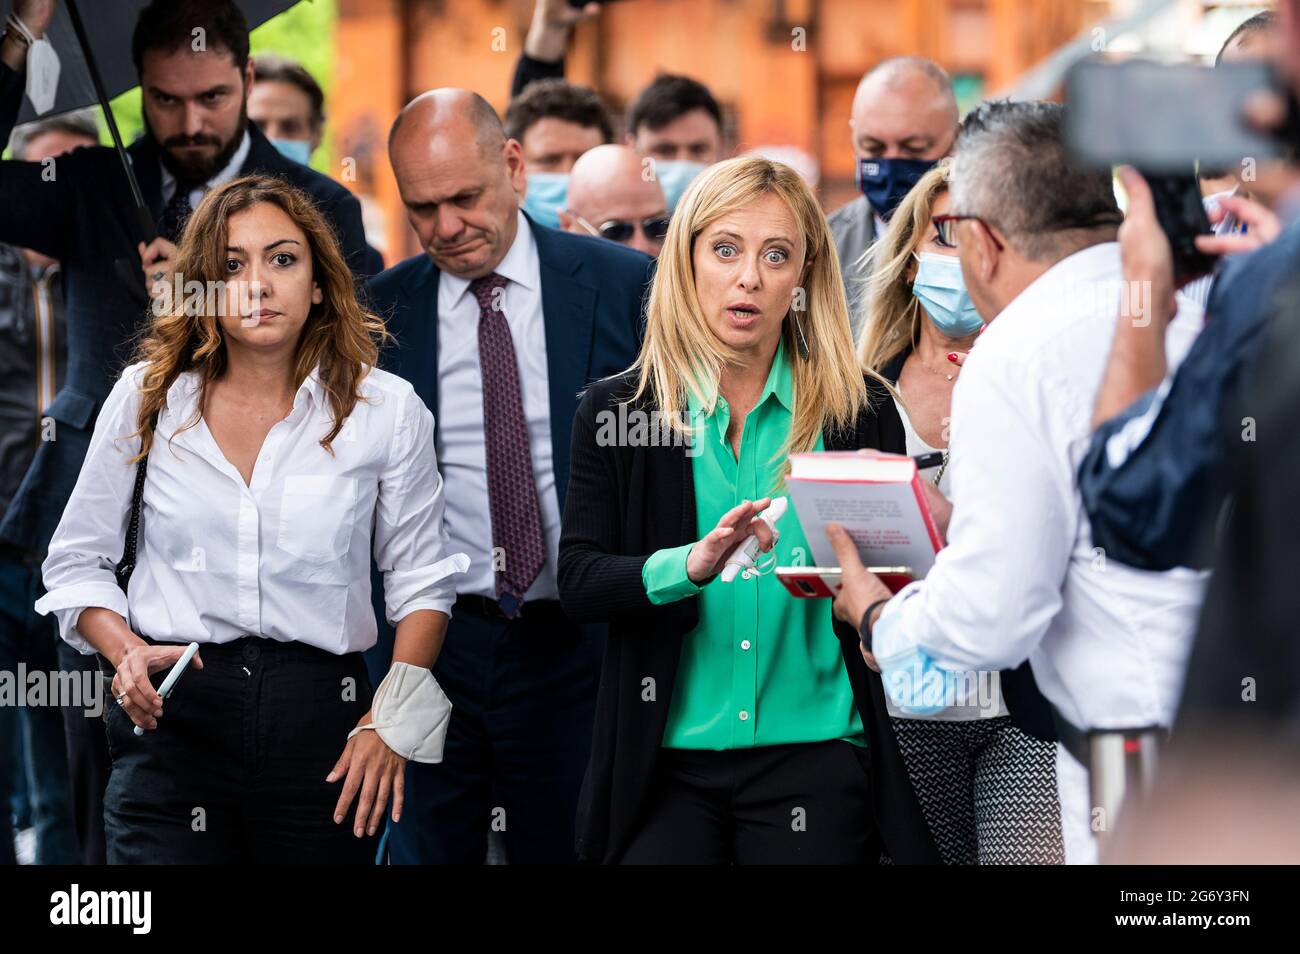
[(411, 713), (42, 67)]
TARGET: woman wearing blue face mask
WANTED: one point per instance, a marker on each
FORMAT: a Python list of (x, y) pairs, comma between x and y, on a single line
[(983, 768)]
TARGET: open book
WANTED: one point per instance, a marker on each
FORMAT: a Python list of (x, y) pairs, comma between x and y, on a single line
[(877, 499)]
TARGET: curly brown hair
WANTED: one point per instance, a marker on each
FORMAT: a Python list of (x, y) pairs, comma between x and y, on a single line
[(339, 336)]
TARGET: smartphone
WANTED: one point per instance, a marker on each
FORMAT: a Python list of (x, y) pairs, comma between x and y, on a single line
[(1181, 214), (1163, 118), (814, 582)]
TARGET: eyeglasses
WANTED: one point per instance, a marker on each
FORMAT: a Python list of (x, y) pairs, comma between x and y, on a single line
[(946, 226), (617, 230)]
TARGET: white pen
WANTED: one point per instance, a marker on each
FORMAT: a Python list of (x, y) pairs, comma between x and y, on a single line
[(169, 683)]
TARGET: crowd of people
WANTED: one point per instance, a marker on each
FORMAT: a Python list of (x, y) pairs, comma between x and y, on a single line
[(449, 605)]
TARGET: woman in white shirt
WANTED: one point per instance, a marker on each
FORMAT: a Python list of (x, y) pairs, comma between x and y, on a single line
[(272, 449), (986, 785)]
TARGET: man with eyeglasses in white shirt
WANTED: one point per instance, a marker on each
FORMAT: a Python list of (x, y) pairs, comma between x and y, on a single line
[(1020, 577)]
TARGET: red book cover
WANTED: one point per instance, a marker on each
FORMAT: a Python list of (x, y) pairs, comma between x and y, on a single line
[(877, 498)]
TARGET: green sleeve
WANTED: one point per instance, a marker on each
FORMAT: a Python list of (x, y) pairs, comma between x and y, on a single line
[(664, 576)]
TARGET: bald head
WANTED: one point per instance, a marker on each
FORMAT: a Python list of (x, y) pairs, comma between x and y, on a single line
[(440, 111), (904, 109), (460, 179), (613, 183)]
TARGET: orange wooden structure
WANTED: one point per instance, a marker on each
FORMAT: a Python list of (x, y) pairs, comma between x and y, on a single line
[(784, 70)]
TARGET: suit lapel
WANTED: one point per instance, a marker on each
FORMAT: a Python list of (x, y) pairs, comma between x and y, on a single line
[(416, 330), (568, 310)]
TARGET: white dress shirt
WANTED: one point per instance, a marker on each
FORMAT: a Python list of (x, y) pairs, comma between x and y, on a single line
[(229, 172), (461, 446), (286, 557), (1019, 577), (963, 705)]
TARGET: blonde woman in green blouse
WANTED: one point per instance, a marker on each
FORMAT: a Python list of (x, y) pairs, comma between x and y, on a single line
[(735, 723)]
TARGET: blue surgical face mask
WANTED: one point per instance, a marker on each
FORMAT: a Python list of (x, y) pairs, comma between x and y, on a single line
[(299, 150), (886, 181), (674, 176), (941, 291), (547, 194)]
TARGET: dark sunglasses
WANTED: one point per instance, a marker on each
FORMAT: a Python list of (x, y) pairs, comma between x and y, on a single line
[(619, 231)]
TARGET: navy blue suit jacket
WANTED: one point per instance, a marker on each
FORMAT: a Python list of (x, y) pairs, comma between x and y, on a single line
[(85, 218), (1152, 509), (593, 294)]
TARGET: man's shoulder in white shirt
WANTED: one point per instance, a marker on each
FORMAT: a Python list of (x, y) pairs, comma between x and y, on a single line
[(1065, 301)]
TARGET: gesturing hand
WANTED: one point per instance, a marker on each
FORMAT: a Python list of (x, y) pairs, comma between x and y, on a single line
[(709, 554), (1262, 226)]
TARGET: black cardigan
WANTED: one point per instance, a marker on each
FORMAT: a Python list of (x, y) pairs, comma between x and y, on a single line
[(623, 504)]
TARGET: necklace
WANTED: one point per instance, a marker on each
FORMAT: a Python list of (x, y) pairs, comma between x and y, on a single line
[(947, 375)]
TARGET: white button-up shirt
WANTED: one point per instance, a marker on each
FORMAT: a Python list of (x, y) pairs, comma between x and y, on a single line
[(285, 557), (1020, 577), (461, 447)]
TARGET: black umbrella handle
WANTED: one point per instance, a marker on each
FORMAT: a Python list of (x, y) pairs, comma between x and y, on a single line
[(144, 219)]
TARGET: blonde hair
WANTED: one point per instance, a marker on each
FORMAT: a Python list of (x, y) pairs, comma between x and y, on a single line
[(892, 319), (680, 350), (340, 336)]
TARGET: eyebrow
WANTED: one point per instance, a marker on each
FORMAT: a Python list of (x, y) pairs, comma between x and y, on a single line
[(283, 241), (780, 237), (219, 88), (911, 142)]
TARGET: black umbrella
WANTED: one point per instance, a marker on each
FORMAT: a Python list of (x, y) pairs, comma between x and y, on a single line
[(94, 47)]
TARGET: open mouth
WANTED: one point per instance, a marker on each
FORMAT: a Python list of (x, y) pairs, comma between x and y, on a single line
[(743, 314)]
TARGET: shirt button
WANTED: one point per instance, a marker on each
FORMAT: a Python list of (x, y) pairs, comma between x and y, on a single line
[(744, 716), (744, 644)]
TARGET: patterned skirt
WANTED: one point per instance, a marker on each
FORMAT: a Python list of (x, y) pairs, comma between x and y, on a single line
[(986, 788)]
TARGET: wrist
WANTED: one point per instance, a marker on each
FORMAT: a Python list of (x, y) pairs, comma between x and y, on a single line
[(546, 41), (13, 50), (869, 619)]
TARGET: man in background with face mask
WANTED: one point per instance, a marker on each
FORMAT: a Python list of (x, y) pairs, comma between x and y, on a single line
[(904, 120), (554, 122), (675, 120), (288, 105)]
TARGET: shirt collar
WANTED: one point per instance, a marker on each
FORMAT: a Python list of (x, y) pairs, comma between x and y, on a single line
[(779, 385), (221, 178), (520, 266), (183, 395)]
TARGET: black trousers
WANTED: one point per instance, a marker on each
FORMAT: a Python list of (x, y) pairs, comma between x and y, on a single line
[(88, 762), (235, 771), (778, 804), (523, 696)]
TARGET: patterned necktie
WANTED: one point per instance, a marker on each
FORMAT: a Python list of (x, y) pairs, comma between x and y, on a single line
[(512, 495), (175, 214)]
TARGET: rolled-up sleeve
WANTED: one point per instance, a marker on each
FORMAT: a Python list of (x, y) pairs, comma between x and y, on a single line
[(411, 543), (79, 570)]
